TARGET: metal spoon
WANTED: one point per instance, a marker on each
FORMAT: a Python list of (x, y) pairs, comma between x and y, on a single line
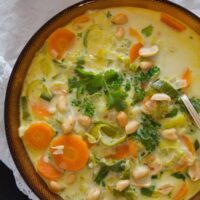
[(191, 109)]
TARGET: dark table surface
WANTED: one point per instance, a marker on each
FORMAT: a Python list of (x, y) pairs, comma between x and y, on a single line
[(8, 189)]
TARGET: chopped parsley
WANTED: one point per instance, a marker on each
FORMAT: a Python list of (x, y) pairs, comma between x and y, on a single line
[(148, 134), (172, 113), (108, 14), (127, 86), (108, 82), (196, 145), (80, 61), (148, 191), (196, 103), (147, 31), (140, 79), (85, 106), (118, 166), (179, 176)]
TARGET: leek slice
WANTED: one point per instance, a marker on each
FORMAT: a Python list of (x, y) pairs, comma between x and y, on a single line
[(164, 87), (170, 152), (108, 134), (25, 111), (177, 121), (37, 89)]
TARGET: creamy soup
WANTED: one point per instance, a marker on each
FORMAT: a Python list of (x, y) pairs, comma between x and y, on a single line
[(101, 115)]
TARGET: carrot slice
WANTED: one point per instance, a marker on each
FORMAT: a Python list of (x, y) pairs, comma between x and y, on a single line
[(121, 152), (38, 136), (132, 148), (182, 192), (75, 153), (173, 23), (40, 110), (59, 42), (81, 19), (47, 171), (134, 52), (187, 75), (133, 32), (181, 167), (186, 140)]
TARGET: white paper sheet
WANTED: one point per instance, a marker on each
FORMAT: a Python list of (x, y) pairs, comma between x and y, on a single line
[(19, 20)]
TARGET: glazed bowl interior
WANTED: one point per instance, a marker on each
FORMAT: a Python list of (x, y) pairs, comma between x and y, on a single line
[(20, 69)]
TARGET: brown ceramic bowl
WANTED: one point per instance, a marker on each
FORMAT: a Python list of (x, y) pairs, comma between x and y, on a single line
[(20, 69)]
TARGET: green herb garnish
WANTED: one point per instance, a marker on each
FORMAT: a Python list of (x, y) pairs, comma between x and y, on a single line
[(147, 31), (118, 166), (103, 172), (179, 176), (140, 78), (172, 113), (108, 82), (148, 191), (85, 106), (148, 134), (196, 145), (108, 14)]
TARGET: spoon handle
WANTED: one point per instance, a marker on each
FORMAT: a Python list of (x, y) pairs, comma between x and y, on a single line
[(191, 109)]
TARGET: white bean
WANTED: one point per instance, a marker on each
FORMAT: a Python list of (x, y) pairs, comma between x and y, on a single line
[(122, 119), (122, 185), (161, 97), (165, 189), (169, 134), (93, 194), (141, 172), (68, 124), (149, 106), (154, 164), (62, 103), (84, 121), (194, 171), (146, 65), (55, 186), (131, 127), (148, 51), (71, 178), (119, 19)]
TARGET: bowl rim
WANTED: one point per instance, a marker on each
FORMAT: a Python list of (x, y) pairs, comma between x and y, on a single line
[(23, 52)]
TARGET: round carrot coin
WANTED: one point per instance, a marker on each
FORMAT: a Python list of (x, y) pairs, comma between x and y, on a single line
[(47, 171), (59, 42), (38, 136), (75, 152)]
